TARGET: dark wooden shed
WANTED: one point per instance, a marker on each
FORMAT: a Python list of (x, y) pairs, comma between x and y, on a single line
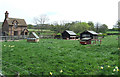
[(68, 35), (89, 34)]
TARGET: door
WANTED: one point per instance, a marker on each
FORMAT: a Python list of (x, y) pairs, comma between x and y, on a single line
[(15, 33)]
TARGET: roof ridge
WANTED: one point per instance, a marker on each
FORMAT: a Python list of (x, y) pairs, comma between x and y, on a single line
[(15, 18), (20, 21), (70, 32)]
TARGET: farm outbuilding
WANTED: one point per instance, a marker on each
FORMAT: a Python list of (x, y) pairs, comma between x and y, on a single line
[(85, 41), (33, 37), (68, 35), (89, 34), (89, 37)]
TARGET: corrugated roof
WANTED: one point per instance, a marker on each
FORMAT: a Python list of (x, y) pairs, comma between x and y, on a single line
[(70, 32), (21, 22), (33, 35), (36, 36), (92, 32)]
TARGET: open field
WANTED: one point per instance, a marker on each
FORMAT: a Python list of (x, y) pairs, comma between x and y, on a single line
[(60, 57)]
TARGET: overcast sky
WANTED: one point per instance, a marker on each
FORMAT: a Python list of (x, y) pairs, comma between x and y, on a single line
[(102, 11)]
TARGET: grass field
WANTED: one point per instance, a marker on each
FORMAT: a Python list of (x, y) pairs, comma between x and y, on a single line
[(112, 32), (60, 57), (40, 30), (44, 32)]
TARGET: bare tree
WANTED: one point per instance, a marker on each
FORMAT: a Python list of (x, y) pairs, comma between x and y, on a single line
[(63, 22), (97, 27), (42, 18), (55, 23), (40, 21)]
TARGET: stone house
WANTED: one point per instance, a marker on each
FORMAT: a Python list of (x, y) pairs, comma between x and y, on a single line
[(14, 26)]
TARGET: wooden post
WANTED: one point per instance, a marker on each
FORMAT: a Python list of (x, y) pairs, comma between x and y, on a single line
[(42, 74), (95, 41), (100, 41), (5, 38)]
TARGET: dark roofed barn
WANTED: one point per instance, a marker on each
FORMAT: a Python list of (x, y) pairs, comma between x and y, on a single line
[(89, 34), (68, 35)]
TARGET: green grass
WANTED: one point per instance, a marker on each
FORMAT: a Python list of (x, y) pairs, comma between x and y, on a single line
[(112, 32), (0, 56), (47, 33), (52, 55), (44, 32), (40, 30)]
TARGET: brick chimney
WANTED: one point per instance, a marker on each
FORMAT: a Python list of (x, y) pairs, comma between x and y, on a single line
[(6, 14)]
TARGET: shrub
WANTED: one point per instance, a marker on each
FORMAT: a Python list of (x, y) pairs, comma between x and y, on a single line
[(59, 34)]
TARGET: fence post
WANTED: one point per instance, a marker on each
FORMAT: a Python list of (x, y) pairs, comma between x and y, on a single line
[(5, 38), (42, 74), (100, 41)]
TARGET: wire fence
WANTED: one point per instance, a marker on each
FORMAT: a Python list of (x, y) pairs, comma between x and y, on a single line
[(12, 69), (13, 37), (15, 69), (7, 38)]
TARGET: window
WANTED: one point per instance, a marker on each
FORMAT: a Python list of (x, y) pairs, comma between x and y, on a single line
[(95, 37), (16, 33), (85, 35), (15, 24)]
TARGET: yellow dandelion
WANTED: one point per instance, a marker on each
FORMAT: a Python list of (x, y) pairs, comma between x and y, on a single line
[(4, 45), (117, 69), (113, 70), (108, 66), (50, 73), (12, 46), (119, 48), (101, 67), (61, 71)]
